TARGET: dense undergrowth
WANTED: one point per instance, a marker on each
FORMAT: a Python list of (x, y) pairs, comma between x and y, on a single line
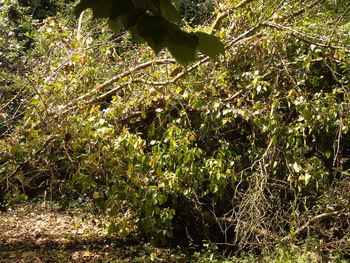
[(246, 152)]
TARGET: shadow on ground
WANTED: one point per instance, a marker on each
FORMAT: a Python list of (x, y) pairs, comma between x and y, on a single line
[(39, 233)]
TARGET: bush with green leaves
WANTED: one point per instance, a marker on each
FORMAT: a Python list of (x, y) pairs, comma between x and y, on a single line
[(244, 151), (15, 28)]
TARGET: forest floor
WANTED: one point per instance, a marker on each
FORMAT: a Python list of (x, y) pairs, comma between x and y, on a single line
[(43, 233)]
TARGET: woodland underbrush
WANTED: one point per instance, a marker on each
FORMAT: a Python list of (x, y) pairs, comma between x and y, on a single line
[(245, 153)]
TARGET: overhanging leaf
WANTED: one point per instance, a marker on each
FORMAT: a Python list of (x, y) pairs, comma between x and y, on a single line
[(154, 21), (182, 45), (183, 54), (102, 8), (153, 29), (169, 12), (210, 45), (114, 25), (128, 19)]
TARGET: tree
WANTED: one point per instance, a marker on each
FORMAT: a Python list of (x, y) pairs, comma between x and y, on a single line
[(157, 23)]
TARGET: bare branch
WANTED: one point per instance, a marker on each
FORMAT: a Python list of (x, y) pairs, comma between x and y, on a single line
[(302, 36), (313, 220)]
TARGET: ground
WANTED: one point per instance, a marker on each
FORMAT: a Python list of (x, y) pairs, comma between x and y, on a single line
[(43, 233)]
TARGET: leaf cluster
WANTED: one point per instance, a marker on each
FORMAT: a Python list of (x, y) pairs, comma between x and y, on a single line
[(155, 22)]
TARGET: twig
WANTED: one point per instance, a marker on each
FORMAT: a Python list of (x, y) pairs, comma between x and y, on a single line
[(91, 101), (337, 141), (79, 26)]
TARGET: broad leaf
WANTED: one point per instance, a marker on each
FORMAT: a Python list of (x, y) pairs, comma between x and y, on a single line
[(182, 45), (210, 45), (182, 53), (102, 8), (114, 25), (169, 12), (153, 29)]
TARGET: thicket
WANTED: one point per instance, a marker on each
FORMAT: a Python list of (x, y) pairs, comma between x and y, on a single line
[(247, 151)]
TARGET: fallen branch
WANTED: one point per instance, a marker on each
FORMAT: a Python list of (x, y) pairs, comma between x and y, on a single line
[(75, 104), (244, 36), (124, 74), (143, 66), (303, 37), (95, 100), (313, 220)]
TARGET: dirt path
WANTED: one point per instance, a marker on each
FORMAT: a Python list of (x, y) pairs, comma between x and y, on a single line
[(41, 233)]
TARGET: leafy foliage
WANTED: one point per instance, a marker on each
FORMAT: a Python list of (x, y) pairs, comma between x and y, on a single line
[(248, 151), (154, 21)]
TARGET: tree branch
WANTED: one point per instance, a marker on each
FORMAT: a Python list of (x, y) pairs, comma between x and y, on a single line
[(302, 36), (124, 74), (313, 220)]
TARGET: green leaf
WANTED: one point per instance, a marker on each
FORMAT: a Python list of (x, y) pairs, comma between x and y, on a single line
[(115, 26), (210, 45), (306, 113), (182, 45), (102, 8), (307, 178), (112, 228), (169, 12), (128, 19), (183, 54), (153, 30), (161, 199), (121, 8), (135, 34)]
